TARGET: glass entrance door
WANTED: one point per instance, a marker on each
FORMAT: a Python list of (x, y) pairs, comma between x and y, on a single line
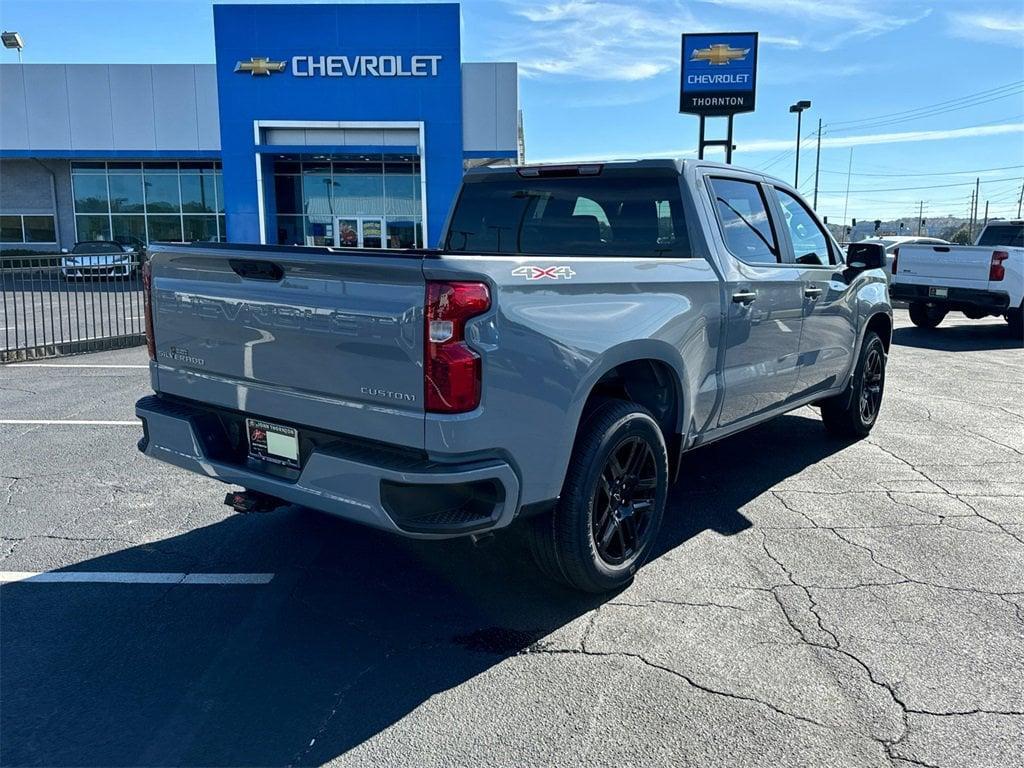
[(359, 232)]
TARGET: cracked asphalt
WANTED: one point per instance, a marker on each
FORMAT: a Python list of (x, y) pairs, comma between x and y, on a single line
[(812, 602)]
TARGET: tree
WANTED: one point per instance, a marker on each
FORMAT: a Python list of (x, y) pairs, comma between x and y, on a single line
[(961, 237)]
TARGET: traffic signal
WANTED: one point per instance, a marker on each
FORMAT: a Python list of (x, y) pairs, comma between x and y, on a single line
[(878, 224)]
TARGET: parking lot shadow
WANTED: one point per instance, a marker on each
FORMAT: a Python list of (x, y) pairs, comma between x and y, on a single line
[(976, 337), (356, 631)]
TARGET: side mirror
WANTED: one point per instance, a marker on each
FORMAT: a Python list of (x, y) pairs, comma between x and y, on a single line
[(63, 250), (864, 256)]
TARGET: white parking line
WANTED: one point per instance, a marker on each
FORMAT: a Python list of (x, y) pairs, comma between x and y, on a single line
[(117, 577), (73, 422), (71, 365)]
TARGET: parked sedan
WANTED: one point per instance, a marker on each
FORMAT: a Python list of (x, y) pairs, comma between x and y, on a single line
[(99, 258)]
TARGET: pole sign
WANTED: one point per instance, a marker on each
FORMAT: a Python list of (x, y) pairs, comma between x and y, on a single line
[(719, 73)]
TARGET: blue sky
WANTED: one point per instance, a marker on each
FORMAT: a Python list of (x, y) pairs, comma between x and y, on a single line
[(599, 78)]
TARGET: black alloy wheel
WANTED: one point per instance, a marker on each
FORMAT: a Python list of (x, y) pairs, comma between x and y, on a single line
[(871, 388), (623, 501)]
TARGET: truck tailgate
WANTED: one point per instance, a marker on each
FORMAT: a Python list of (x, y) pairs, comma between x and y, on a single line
[(302, 336), (960, 266)]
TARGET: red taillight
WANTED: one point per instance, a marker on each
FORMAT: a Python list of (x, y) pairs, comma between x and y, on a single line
[(451, 370), (996, 270), (147, 302), (895, 258)]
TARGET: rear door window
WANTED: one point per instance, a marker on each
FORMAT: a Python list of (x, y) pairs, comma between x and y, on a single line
[(607, 214), (744, 222)]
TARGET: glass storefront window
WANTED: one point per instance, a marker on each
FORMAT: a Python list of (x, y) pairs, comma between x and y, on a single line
[(403, 233), (10, 229), (198, 193), (288, 194), (200, 228), (92, 227), (164, 228), (162, 193), (319, 230), (90, 193), (126, 193), (40, 229), (402, 188), (316, 194), (289, 230), (129, 228)]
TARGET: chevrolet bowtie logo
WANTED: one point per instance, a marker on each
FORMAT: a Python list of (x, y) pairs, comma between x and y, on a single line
[(259, 66), (719, 54)]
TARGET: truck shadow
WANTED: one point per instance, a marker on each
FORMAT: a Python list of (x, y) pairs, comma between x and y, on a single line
[(974, 337), (356, 631)]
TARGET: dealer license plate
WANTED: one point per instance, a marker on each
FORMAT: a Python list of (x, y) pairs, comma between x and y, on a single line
[(940, 293), (273, 442)]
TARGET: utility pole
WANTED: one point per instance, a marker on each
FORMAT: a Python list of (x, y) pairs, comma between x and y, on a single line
[(920, 216), (846, 205), (974, 208), (986, 213), (817, 166), (1020, 198)]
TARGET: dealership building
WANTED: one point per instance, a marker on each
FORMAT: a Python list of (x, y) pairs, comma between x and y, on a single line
[(318, 124)]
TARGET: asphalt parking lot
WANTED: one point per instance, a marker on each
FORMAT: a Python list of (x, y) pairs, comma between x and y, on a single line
[(812, 603)]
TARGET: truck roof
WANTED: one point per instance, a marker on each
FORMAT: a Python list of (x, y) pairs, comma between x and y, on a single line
[(676, 164)]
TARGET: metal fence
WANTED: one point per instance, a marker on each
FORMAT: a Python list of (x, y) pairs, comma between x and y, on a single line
[(63, 304)]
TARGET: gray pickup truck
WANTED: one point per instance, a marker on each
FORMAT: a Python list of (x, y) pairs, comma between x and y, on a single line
[(579, 329)]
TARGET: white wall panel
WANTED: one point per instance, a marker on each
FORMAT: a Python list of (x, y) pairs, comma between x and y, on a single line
[(89, 106)]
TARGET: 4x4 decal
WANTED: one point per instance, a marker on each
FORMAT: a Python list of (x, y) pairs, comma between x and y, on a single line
[(531, 272)]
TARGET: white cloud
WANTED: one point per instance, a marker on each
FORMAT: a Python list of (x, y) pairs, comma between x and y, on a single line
[(828, 24), (988, 27), (775, 145), (599, 39)]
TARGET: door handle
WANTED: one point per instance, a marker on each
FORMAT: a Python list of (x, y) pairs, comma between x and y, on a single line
[(812, 292), (744, 297)]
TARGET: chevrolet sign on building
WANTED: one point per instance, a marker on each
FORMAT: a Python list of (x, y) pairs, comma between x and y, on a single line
[(719, 73)]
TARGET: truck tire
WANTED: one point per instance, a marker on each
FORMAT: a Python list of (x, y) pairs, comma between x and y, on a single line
[(924, 316), (1015, 320), (606, 521), (853, 413)]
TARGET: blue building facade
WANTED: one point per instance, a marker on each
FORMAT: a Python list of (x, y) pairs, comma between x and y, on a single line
[(346, 124)]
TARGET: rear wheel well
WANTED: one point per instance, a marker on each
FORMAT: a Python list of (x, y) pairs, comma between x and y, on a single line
[(882, 325), (650, 383)]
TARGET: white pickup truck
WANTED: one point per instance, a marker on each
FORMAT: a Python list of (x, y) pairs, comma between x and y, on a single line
[(980, 280)]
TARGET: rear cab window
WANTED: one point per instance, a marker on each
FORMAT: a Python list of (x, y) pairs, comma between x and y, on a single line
[(1011, 235), (743, 220), (617, 212)]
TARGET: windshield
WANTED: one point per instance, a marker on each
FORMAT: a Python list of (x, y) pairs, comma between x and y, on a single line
[(601, 215), (1003, 234), (99, 247)]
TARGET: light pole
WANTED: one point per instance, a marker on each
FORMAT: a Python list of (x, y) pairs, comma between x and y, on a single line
[(799, 108), (13, 40)]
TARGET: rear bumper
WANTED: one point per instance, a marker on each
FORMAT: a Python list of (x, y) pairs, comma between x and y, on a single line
[(995, 302), (408, 495)]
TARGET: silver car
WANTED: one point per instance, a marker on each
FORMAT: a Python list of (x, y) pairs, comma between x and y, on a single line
[(99, 258)]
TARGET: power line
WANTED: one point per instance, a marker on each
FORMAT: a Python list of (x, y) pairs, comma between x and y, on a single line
[(901, 189), (928, 107), (923, 115), (931, 173)]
